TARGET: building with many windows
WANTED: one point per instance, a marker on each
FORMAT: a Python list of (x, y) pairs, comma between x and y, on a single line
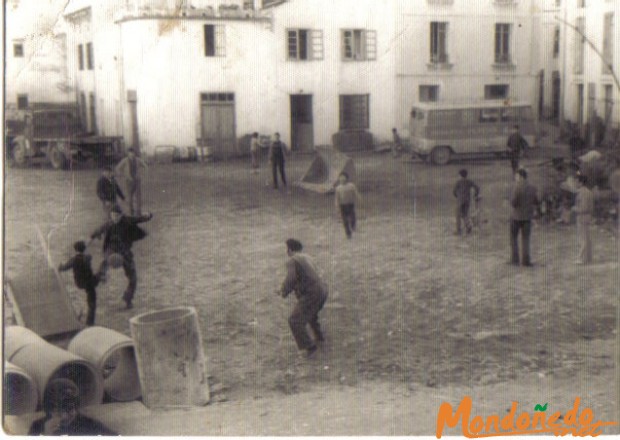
[(187, 72)]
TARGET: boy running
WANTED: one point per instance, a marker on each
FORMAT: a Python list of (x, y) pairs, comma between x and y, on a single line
[(84, 277), (346, 196)]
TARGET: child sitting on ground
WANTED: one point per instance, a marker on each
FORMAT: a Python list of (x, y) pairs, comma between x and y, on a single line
[(84, 277)]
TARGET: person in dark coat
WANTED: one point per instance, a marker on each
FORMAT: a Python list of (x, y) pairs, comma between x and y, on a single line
[(84, 277), (462, 192), (524, 202), (61, 402), (108, 190), (277, 153), (311, 292), (516, 144), (119, 234)]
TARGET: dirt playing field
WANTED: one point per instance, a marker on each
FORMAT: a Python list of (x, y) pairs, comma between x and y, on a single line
[(410, 303)]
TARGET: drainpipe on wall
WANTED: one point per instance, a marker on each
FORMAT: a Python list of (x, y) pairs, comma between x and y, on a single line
[(564, 75)]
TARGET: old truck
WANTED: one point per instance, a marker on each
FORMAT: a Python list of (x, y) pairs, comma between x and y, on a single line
[(55, 135)]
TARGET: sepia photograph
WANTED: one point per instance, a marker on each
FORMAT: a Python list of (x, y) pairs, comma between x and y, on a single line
[(302, 218)]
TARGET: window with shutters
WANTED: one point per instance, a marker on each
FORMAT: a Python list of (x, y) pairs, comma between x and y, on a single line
[(304, 44), (359, 45), (90, 57), (579, 45), (439, 42), (80, 54), (215, 40), (502, 43), (354, 112), (608, 43)]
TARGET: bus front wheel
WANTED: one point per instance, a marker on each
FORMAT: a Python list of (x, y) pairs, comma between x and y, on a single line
[(441, 155)]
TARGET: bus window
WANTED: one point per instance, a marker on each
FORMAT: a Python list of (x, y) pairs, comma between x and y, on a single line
[(509, 115), (489, 115), (470, 117), (445, 118), (526, 114), (417, 114)]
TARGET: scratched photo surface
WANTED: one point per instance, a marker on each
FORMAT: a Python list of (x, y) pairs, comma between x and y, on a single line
[(311, 217)]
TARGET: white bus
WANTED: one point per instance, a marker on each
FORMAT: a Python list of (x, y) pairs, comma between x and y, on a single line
[(439, 131)]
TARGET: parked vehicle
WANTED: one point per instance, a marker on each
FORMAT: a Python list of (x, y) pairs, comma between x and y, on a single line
[(440, 131), (56, 136)]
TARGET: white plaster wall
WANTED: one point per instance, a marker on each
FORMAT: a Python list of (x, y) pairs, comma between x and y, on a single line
[(592, 73), (471, 30), (169, 71), (41, 73), (330, 77)]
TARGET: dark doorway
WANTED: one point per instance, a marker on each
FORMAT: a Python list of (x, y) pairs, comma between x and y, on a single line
[(302, 130)]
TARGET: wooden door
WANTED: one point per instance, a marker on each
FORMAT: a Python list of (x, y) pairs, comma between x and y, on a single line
[(218, 123)]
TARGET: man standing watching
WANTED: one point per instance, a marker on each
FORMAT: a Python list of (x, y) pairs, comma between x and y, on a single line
[(277, 152), (129, 169), (584, 208), (516, 144), (311, 292), (524, 202)]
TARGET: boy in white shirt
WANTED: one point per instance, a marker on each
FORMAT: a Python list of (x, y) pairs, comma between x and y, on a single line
[(346, 197)]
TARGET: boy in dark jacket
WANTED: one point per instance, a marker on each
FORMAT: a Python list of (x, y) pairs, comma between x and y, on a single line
[(107, 190), (84, 277), (462, 192), (119, 234)]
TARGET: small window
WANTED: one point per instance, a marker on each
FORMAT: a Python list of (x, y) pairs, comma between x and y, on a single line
[(18, 50), (80, 53), (217, 97), (90, 60), (354, 112), (417, 114), (496, 91), (215, 43), (22, 102), (428, 93), (359, 45)]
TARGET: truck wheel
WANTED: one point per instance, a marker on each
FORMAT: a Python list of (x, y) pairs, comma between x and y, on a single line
[(18, 153), (56, 157), (441, 155)]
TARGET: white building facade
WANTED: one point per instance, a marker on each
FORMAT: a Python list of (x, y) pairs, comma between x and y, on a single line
[(35, 58), (182, 73), (590, 89)]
